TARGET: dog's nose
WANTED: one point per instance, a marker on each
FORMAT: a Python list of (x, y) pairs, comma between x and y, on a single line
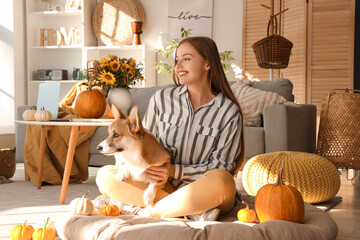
[(99, 148)]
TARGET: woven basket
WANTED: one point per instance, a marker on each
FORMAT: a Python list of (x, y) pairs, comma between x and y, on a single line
[(7, 162), (339, 130), (316, 178), (273, 51), (111, 21)]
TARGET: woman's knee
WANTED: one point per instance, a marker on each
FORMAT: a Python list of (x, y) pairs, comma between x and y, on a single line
[(221, 180), (104, 175)]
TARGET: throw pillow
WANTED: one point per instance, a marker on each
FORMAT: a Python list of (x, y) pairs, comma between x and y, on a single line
[(253, 101)]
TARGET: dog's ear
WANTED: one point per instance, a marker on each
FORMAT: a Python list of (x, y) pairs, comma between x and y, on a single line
[(117, 112), (135, 121)]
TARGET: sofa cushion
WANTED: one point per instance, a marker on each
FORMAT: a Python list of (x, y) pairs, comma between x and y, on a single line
[(141, 97), (281, 86), (253, 101), (254, 141)]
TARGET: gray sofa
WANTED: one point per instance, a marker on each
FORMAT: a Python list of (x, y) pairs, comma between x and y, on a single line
[(284, 128)]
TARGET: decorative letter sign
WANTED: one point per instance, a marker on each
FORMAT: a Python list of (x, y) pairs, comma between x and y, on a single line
[(196, 15), (62, 37)]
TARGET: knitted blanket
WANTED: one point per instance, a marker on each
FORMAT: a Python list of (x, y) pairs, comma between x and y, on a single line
[(253, 101)]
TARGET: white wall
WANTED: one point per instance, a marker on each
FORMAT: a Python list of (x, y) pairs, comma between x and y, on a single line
[(227, 27)]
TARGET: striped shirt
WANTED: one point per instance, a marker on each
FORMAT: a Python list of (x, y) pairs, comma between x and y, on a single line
[(201, 140)]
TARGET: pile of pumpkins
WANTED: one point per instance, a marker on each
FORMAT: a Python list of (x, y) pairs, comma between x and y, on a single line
[(32, 114), (27, 232), (275, 202), (78, 206), (84, 206)]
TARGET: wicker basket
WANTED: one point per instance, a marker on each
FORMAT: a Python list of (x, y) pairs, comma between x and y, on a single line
[(339, 130), (273, 51), (7, 162)]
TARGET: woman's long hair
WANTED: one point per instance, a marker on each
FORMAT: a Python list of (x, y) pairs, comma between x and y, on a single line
[(207, 48)]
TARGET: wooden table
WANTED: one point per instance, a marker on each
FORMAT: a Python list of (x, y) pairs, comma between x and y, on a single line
[(76, 128)]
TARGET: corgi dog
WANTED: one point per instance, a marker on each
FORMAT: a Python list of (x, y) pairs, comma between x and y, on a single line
[(135, 149)]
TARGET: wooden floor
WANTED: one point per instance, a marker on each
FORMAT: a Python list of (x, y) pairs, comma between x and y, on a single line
[(347, 213)]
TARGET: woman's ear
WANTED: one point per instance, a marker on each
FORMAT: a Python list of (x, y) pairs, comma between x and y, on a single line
[(207, 66)]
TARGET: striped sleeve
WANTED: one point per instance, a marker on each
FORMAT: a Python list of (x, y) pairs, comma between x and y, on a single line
[(227, 148), (150, 120)]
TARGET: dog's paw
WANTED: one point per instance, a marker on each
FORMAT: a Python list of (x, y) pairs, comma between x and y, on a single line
[(122, 175)]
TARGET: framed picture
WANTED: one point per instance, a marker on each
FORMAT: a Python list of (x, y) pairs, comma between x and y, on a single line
[(190, 14), (73, 5)]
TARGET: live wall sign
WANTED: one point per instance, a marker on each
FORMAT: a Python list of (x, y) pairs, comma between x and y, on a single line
[(196, 15)]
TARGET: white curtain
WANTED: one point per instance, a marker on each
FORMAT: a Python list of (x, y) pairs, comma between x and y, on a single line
[(7, 68)]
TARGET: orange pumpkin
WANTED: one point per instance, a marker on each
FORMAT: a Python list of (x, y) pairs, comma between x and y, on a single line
[(246, 214), (90, 104), (45, 233), (21, 232), (109, 210), (110, 114), (280, 202)]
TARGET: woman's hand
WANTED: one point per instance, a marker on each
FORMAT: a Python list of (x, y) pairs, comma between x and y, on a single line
[(161, 173)]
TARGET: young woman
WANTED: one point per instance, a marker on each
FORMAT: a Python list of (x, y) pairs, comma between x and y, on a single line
[(199, 122)]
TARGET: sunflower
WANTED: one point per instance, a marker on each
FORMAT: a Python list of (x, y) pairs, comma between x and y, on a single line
[(132, 62), (107, 77), (114, 65), (125, 66), (104, 62), (113, 57)]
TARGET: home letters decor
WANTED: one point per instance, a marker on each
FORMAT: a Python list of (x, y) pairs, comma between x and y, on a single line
[(73, 37)]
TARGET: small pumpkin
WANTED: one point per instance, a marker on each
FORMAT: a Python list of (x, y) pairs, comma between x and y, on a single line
[(279, 202), (45, 233), (42, 115), (29, 114), (90, 103), (110, 114), (81, 206), (109, 210), (246, 214), (21, 232)]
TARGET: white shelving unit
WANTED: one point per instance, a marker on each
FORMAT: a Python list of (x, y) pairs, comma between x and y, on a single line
[(70, 56)]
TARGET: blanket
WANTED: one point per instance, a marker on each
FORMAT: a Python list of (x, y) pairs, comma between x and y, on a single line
[(57, 141), (317, 225), (253, 101)]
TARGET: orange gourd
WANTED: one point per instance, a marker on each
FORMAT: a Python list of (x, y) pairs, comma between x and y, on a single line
[(280, 202), (21, 232), (110, 114), (45, 233), (109, 210), (246, 214), (90, 103)]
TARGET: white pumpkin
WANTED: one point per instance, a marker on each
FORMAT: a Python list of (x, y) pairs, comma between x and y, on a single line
[(81, 206), (29, 114), (42, 115), (101, 201)]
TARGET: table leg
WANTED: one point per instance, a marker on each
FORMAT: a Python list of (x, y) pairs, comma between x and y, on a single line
[(43, 133), (69, 161)]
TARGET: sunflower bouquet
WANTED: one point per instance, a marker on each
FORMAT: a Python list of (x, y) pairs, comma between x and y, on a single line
[(116, 72)]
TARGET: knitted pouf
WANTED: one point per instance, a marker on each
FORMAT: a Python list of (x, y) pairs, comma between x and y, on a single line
[(316, 178)]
